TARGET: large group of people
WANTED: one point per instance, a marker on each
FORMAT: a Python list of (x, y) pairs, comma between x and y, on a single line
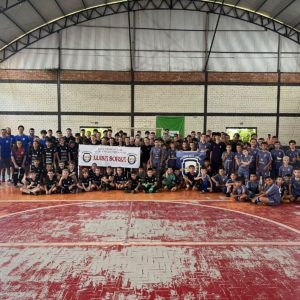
[(258, 171)]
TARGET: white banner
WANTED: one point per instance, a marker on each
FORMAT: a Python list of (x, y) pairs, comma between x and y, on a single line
[(114, 156)]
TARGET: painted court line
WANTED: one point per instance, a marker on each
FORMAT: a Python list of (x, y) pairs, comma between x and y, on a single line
[(149, 244), (246, 214)]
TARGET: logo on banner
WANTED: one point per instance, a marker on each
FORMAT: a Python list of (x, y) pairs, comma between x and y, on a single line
[(87, 156), (190, 161), (131, 159)]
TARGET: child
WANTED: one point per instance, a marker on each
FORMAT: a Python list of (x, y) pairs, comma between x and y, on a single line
[(270, 195), (264, 160), (285, 169), (171, 159), (295, 186), (73, 171), (205, 184), (49, 152), (253, 186), (228, 160), (178, 179), (156, 156), (133, 184), (219, 181), (168, 180), (37, 169), (120, 179), (107, 181), (18, 158), (66, 184), (244, 165), (230, 184), (239, 192), (141, 174), (191, 178), (60, 168), (50, 183), (237, 157), (85, 182), (284, 190), (277, 156), (293, 153), (32, 184), (150, 184), (96, 179)]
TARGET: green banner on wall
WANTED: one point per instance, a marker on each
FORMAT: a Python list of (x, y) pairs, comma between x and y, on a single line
[(173, 123)]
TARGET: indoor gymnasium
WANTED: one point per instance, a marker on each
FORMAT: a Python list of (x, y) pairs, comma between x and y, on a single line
[(149, 149)]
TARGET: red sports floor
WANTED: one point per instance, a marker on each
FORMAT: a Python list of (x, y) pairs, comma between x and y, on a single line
[(113, 245)]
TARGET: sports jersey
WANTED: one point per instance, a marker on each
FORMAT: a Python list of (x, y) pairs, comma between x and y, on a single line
[(245, 159), (24, 139), (283, 189), (295, 184), (171, 158), (285, 170), (191, 176), (221, 180), (150, 180), (277, 156), (253, 186), (19, 155), (66, 182), (217, 150), (33, 183), (145, 153), (228, 159), (156, 153), (119, 179), (203, 146), (96, 179), (38, 171), (50, 182), (35, 154), (49, 155), (239, 190), (264, 157), (63, 152), (5, 143), (85, 181), (238, 157), (135, 183), (169, 179), (273, 193), (293, 155)]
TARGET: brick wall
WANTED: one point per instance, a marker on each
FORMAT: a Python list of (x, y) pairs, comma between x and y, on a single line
[(178, 92)]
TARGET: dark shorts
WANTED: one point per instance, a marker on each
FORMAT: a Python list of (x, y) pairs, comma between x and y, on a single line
[(5, 163)]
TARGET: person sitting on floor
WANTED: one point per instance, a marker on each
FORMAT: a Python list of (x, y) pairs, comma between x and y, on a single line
[(239, 192), (150, 183), (32, 184)]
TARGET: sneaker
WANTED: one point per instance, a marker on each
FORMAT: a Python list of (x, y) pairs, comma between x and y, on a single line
[(257, 201)]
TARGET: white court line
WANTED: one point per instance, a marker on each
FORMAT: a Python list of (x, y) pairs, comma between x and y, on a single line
[(149, 244), (176, 202), (108, 200)]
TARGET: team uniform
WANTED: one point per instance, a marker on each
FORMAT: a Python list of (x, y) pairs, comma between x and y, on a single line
[(285, 171), (66, 184), (240, 190), (244, 170), (264, 157), (171, 158), (228, 160), (217, 150), (24, 139), (156, 153), (293, 155), (49, 154), (295, 185), (150, 184), (168, 181), (253, 152), (273, 194), (277, 156), (49, 183), (63, 153), (18, 155), (253, 188), (204, 183), (5, 143), (220, 183)]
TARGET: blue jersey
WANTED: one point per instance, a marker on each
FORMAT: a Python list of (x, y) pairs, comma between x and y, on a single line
[(284, 171), (246, 159), (237, 156), (295, 184), (293, 155), (156, 153), (273, 193), (5, 144), (203, 146), (24, 139), (239, 190), (277, 156), (264, 157), (228, 159)]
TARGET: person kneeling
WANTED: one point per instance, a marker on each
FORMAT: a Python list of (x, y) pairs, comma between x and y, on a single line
[(85, 182)]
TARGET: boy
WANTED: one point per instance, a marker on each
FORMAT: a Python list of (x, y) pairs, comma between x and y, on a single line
[(253, 186), (85, 182), (277, 156), (285, 169), (60, 168), (120, 179), (62, 151), (270, 195), (205, 184), (66, 184), (239, 192), (293, 153), (228, 160), (5, 159), (22, 137), (150, 184), (217, 149), (49, 153), (237, 157), (156, 156), (133, 184), (96, 179), (230, 184), (73, 171), (50, 183), (191, 178), (32, 184), (253, 150), (178, 179), (264, 160), (37, 169), (284, 190), (244, 165), (107, 181), (295, 186), (219, 181), (168, 180)]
